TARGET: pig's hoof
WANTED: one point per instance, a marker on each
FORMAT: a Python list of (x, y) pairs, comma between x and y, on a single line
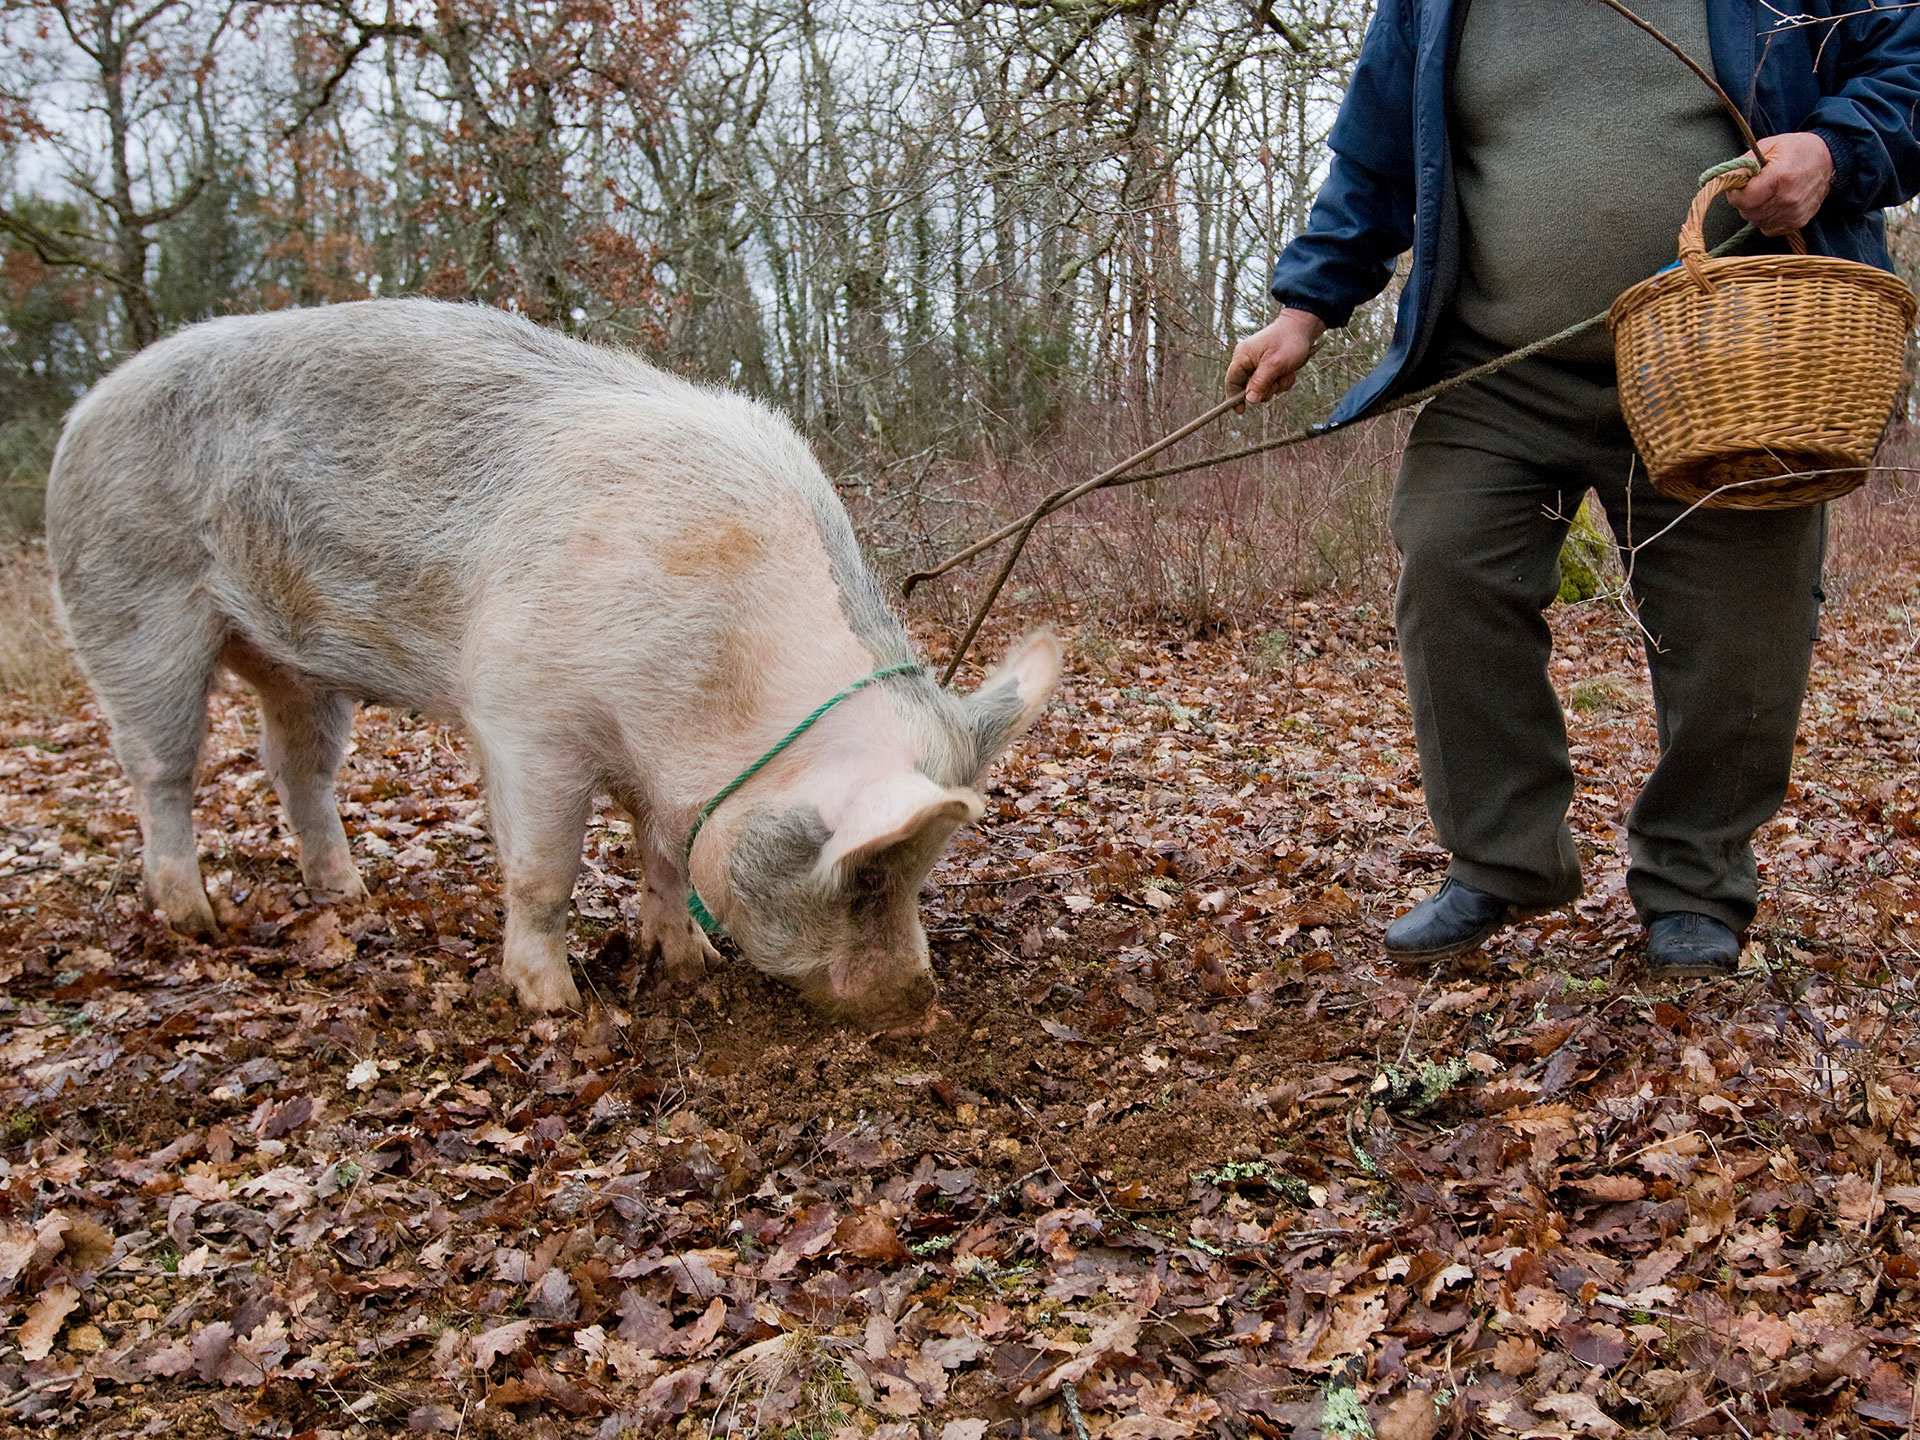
[(688, 963), (551, 989), (337, 884), (190, 914), (684, 954), (201, 926)]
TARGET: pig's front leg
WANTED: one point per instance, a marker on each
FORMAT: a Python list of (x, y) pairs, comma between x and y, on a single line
[(540, 823), (665, 925)]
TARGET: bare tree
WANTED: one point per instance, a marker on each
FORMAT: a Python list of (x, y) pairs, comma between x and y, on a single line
[(117, 91)]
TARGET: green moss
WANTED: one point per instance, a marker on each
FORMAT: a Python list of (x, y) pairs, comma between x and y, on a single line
[(1345, 1416), (1413, 1092), (1585, 558)]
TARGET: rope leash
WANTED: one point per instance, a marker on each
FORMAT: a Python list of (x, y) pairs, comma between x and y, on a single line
[(696, 907), (1019, 531)]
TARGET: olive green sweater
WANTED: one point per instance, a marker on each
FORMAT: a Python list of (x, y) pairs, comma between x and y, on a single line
[(1578, 142)]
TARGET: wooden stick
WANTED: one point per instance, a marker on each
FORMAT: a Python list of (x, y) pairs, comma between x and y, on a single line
[(1068, 494), (1054, 502), (1070, 1398)]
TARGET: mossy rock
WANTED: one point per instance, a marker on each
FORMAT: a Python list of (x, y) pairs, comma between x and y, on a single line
[(1586, 558)]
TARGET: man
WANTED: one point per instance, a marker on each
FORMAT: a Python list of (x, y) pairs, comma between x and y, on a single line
[(1537, 157)]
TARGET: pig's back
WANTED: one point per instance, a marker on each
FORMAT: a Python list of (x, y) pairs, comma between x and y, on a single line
[(348, 482), (392, 410)]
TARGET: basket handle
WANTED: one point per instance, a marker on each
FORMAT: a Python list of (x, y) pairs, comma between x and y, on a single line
[(1693, 239)]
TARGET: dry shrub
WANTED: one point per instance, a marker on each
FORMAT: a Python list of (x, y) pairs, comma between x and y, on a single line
[(34, 660), (1869, 530), (1204, 550)]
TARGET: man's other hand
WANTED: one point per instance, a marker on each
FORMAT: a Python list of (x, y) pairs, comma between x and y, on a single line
[(1265, 363), (1791, 186)]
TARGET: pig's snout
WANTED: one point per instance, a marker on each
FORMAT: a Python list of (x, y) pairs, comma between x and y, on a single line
[(882, 997), (908, 1010)]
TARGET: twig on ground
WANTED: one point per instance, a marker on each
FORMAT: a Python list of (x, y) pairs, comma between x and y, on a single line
[(1296, 1239), (184, 1308), (1099, 1190), (113, 886), (1414, 1024), (27, 1392), (1070, 1398), (134, 1252)]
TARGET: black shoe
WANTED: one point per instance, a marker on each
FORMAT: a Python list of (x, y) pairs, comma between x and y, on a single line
[(1454, 919), (1685, 946)]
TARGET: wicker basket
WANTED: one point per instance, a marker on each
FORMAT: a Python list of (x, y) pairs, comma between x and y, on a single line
[(1771, 374)]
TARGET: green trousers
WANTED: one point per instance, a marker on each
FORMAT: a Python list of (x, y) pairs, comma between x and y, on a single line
[(1492, 475)]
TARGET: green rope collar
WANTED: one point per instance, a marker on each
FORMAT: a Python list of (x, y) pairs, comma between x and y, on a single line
[(696, 907)]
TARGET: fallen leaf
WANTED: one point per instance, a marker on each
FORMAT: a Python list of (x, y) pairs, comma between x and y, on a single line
[(1765, 1335), (1356, 1319), (1611, 1187), (173, 1359), (553, 1298), (1581, 1412), (695, 1338), (490, 1345), (1540, 1310), (1114, 1337), (952, 1353), (44, 1318), (210, 1346), (1857, 1201), (1410, 1415), (870, 1235), (1516, 1355)]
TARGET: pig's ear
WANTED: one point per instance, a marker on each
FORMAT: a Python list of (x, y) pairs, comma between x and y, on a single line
[(904, 812), (1010, 698)]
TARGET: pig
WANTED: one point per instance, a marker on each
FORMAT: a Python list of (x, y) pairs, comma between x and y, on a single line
[(615, 581)]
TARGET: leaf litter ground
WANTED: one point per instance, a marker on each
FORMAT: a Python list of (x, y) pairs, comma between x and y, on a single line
[(1189, 1144)]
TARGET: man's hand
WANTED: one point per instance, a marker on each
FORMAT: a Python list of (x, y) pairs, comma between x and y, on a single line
[(1791, 186), (1265, 363)]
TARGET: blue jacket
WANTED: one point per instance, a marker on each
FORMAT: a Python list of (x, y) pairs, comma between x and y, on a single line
[(1855, 83)]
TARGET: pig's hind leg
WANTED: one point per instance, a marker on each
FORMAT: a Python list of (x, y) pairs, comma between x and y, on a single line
[(152, 677), (539, 810), (305, 731)]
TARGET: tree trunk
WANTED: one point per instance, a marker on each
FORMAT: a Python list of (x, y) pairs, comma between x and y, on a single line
[(130, 240)]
